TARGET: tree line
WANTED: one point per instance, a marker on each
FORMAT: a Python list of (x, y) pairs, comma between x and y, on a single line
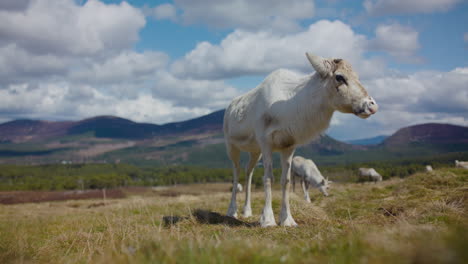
[(98, 176)]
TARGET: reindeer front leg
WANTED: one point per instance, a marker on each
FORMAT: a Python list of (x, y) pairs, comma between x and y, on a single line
[(267, 218), (306, 191), (286, 218), (254, 157)]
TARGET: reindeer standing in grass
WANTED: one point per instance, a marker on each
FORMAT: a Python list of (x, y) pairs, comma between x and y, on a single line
[(284, 111)]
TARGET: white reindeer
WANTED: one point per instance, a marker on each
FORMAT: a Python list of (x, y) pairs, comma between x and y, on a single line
[(369, 174), (239, 187), (309, 174), (461, 164), (284, 111), (429, 168)]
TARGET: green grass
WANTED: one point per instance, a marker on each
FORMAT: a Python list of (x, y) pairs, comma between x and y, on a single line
[(419, 219)]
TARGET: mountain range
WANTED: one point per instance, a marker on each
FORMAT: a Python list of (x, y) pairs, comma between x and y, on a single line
[(198, 141), (367, 141)]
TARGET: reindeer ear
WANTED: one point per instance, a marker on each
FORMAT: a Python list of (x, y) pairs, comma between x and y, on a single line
[(323, 66)]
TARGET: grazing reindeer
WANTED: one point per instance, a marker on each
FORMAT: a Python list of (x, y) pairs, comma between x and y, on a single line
[(429, 168), (309, 175), (284, 111), (461, 164), (369, 174)]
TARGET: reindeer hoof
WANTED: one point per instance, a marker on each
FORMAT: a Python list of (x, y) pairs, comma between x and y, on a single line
[(232, 213), (267, 219), (289, 222), (267, 223), (247, 212)]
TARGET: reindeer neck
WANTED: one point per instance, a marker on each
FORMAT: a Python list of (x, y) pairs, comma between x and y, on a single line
[(313, 107)]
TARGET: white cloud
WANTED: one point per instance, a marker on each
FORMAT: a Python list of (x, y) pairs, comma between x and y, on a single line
[(192, 93), (61, 40), (417, 98), (402, 42), (164, 11), (248, 53), (143, 108), (16, 64), (424, 92), (63, 27), (65, 101), (126, 66), (388, 7), (422, 97), (14, 5), (252, 15), (147, 108), (41, 100), (60, 60)]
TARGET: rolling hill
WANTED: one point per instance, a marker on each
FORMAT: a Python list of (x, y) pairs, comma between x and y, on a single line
[(196, 141), (430, 133), (367, 141), (21, 131)]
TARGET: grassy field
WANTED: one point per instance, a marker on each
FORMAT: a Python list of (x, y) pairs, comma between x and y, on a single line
[(420, 219)]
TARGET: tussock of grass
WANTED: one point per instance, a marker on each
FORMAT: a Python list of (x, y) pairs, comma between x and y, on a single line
[(421, 219)]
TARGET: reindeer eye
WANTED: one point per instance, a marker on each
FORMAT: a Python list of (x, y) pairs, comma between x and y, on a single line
[(340, 78)]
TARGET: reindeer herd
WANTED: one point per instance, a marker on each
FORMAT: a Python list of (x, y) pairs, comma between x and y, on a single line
[(283, 112)]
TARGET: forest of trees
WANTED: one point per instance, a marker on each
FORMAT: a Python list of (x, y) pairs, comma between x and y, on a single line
[(98, 176)]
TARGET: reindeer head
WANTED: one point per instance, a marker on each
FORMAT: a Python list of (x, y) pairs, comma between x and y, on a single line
[(348, 94), (324, 185)]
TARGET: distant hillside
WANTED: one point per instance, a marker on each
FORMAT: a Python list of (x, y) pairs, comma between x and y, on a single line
[(428, 134), (199, 141), (20, 131), (368, 141), (32, 130)]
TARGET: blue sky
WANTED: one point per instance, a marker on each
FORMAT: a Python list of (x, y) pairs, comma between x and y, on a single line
[(164, 61)]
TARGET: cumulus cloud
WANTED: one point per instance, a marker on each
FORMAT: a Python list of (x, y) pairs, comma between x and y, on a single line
[(161, 12), (65, 101), (249, 53), (192, 93), (389, 7), (426, 91), (61, 60), (60, 39), (14, 5), (252, 15), (402, 42), (18, 65), (123, 67), (63, 27), (421, 97), (404, 100)]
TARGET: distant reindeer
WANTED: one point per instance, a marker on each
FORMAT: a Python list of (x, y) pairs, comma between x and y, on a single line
[(461, 164), (429, 168), (239, 187), (309, 175), (284, 111), (369, 174)]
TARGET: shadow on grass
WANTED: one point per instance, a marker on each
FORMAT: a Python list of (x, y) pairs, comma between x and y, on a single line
[(209, 217)]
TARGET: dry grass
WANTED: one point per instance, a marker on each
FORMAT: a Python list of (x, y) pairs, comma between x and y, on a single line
[(18, 197), (422, 219)]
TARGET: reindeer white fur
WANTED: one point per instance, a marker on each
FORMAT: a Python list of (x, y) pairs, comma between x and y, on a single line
[(461, 164), (284, 111), (369, 174), (309, 175), (429, 168)]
